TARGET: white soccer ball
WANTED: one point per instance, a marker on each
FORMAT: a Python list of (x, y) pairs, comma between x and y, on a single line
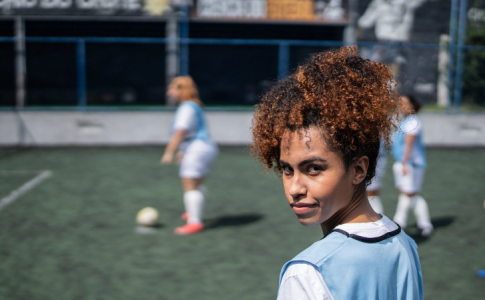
[(148, 216)]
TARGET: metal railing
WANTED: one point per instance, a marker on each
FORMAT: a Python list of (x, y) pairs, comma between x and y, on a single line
[(455, 71)]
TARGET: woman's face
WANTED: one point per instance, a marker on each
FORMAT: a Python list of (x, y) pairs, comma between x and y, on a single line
[(173, 91), (316, 181)]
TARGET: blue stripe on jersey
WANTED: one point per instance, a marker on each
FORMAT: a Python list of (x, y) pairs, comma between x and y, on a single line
[(385, 267), (202, 131), (418, 152)]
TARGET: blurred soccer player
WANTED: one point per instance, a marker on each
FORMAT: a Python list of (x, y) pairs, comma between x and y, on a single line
[(409, 153), (193, 148), (373, 189)]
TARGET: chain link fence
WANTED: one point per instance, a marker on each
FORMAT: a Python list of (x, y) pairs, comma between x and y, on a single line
[(89, 63)]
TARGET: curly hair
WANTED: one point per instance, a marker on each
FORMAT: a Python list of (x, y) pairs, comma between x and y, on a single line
[(353, 99)]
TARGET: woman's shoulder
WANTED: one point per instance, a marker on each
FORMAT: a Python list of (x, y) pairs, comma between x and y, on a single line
[(360, 237), (322, 249), (189, 107)]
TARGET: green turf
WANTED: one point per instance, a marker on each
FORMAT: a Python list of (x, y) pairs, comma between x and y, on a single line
[(74, 235)]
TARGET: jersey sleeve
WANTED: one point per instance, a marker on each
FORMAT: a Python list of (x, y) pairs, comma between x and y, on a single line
[(303, 281), (412, 127), (184, 118)]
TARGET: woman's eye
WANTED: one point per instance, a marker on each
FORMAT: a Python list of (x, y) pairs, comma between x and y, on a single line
[(314, 169), (287, 170)]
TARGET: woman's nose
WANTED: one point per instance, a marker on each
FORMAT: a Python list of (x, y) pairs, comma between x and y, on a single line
[(296, 186)]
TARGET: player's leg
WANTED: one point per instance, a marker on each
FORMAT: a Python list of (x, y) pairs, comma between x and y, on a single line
[(403, 206), (375, 201), (422, 215), (194, 205), (203, 189), (193, 199), (404, 184), (193, 168), (421, 210), (374, 187)]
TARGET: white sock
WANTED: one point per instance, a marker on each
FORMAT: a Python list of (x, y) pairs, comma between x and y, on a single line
[(421, 212), (194, 205), (403, 205), (375, 202)]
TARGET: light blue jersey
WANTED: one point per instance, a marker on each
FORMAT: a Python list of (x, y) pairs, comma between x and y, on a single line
[(195, 125), (382, 150), (410, 125), (356, 267)]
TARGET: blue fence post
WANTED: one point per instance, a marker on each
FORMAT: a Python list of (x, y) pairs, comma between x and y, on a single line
[(81, 73), (451, 52), (461, 53), (184, 43), (283, 60)]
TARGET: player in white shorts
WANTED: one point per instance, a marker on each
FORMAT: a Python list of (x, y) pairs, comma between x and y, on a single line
[(374, 187), (409, 153), (195, 150)]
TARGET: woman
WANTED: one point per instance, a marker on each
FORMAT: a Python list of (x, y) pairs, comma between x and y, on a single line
[(410, 155), (194, 150), (320, 129)]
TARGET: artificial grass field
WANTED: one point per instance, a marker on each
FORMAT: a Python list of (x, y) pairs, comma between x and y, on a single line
[(74, 236)]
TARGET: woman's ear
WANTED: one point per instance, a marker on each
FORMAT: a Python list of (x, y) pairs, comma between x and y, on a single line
[(360, 167)]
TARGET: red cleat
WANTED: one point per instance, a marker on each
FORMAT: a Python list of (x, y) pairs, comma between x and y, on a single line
[(184, 216), (189, 228)]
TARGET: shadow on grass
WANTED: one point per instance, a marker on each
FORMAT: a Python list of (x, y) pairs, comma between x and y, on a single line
[(237, 220), (438, 222), (149, 229)]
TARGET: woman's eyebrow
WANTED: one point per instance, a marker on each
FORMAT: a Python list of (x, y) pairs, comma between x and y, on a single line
[(311, 159), (304, 162), (284, 163)]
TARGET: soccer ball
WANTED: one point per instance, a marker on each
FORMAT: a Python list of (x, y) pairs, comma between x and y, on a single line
[(147, 216)]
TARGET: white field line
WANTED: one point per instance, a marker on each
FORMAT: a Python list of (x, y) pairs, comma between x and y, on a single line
[(19, 172), (24, 188)]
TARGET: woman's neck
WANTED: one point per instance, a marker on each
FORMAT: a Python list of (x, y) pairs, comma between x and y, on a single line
[(360, 212), (364, 213)]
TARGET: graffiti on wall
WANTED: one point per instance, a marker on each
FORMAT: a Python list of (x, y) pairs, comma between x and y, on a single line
[(231, 8), (322, 10), (84, 7), (392, 20)]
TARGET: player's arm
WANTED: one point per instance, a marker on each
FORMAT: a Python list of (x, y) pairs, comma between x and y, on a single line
[(408, 147), (172, 146)]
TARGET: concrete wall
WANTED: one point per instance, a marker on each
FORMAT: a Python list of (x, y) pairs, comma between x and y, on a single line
[(70, 128), (59, 128), (464, 130)]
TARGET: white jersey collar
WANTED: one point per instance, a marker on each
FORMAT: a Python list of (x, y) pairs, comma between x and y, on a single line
[(376, 229)]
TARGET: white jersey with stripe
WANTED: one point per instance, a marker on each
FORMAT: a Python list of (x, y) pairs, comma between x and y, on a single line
[(190, 117), (411, 125)]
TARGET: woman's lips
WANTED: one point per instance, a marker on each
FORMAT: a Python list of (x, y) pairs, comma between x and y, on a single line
[(302, 208)]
